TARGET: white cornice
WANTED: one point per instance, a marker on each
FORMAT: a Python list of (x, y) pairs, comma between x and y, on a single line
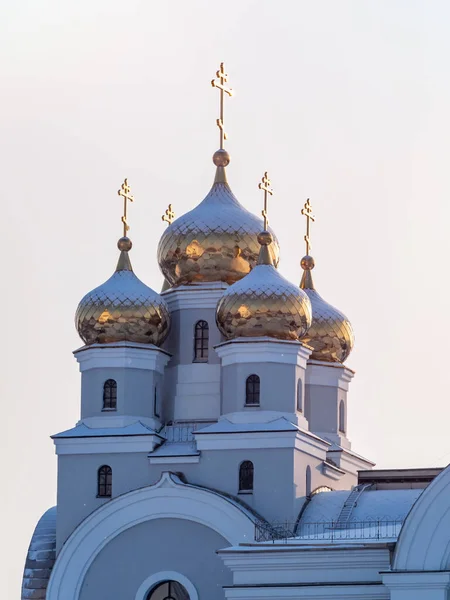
[(298, 440), (263, 350), (328, 374), (122, 355), (202, 296), (106, 445)]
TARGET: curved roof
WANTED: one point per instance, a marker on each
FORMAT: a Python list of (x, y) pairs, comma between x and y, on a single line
[(40, 557), (384, 505)]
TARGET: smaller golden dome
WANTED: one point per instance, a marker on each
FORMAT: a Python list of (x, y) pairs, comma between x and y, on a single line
[(123, 308), (264, 303), (331, 334)]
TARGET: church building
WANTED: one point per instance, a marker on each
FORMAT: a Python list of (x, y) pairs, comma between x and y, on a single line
[(212, 458)]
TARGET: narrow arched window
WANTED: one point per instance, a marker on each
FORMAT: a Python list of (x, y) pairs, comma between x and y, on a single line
[(246, 472), (110, 395), (299, 396), (168, 590), (156, 402), (104, 482), (252, 390), (308, 480), (342, 417), (201, 341)]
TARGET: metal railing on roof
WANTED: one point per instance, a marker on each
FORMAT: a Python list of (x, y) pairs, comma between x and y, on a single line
[(328, 531)]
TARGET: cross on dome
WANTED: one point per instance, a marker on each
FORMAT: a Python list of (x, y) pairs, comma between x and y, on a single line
[(169, 215), (308, 213), (265, 185), (125, 193), (219, 83)]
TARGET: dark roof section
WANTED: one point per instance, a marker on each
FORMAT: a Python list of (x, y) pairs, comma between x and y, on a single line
[(40, 558), (399, 478)]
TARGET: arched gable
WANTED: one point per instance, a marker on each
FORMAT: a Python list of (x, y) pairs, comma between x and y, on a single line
[(424, 541), (169, 498)]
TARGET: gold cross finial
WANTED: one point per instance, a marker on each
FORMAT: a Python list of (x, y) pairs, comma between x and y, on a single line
[(308, 213), (125, 193), (219, 83), (169, 215), (265, 186)]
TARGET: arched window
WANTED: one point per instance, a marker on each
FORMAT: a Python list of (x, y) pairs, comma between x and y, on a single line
[(308, 480), (246, 471), (168, 590), (342, 417), (299, 396), (104, 482), (252, 388), (201, 341), (110, 395)]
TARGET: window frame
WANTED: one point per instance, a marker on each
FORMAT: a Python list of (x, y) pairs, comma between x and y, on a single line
[(111, 391), (201, 342), (104, 488), (248, 487), (255, 392)]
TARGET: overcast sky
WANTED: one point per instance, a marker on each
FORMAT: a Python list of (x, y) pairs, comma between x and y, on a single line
[(345, 102)]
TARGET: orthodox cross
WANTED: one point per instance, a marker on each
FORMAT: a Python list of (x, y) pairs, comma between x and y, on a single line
[(169, 215), (265, 186), (125, 193), (219, 83), (308, 213)]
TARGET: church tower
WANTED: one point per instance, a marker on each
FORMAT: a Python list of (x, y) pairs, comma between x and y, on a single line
[(208, 409)]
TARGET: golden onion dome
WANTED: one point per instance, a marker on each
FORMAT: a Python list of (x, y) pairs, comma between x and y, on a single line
[(264, 303), (216, 241), (123, 308), (331, 333)]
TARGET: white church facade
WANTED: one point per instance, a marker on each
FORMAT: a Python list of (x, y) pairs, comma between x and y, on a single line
[(211, 459)]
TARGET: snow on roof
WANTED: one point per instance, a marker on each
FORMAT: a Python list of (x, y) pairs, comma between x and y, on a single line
[(226, 426), (83, 430), (382, 505)]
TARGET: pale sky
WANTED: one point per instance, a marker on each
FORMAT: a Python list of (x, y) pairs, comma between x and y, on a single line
[(343, 101)]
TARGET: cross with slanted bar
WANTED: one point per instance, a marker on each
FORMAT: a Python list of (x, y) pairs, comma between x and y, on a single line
[(219, 83), (265, 186), (308, 213), (169, 215), (125, 193)]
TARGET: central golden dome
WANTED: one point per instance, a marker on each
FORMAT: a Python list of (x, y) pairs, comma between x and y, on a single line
[(264, 303), (216, 241)]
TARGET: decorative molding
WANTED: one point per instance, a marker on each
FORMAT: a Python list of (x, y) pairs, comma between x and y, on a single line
[(203, 296), (263, 350), (122, 355), (107, 445), (328, 374), (169, 498), (181, 459)]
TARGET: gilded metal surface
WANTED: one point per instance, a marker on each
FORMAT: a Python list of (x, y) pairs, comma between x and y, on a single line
[(216, 241), (331, 334), (264, 303), (308, 213), (219, 83), (265, 185), (125, 192), (123, 309)]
